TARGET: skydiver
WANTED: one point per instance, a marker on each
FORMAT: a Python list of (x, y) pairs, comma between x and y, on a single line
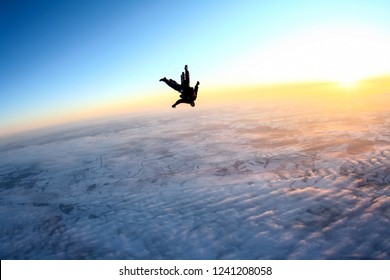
[(187, 94)]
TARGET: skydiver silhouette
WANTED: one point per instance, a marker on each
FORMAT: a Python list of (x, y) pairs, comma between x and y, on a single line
[(187, 94)]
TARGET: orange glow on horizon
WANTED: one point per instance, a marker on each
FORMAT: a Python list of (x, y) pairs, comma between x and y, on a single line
[(372, 94)]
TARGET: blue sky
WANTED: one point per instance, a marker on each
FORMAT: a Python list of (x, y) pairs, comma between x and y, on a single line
[(66, 55)]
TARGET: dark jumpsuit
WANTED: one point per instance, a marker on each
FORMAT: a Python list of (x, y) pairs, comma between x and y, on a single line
[(187, 93)]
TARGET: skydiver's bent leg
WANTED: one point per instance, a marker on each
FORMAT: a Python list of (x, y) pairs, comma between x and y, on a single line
[(172, 83), (196, 87), (195, 95)]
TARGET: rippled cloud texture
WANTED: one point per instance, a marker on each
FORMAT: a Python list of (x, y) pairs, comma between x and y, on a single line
[(254, 183)]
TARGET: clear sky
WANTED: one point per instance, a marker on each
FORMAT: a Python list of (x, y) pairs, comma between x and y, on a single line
[(61, 58)]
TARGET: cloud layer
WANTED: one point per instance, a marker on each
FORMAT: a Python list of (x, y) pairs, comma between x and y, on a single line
[(255, 183)]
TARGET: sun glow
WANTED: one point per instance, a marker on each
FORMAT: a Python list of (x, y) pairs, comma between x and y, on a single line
[(348, 82), (343, 54)]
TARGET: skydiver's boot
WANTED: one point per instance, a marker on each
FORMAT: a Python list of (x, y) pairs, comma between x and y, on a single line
[(163, 79)]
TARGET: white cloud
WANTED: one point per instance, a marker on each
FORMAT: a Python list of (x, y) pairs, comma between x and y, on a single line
[(171, 187)]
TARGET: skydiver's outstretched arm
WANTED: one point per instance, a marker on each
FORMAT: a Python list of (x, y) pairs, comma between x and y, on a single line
[(179, 102), (173, 84)]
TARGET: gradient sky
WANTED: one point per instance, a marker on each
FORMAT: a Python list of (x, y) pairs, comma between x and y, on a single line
[(60, 58)]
